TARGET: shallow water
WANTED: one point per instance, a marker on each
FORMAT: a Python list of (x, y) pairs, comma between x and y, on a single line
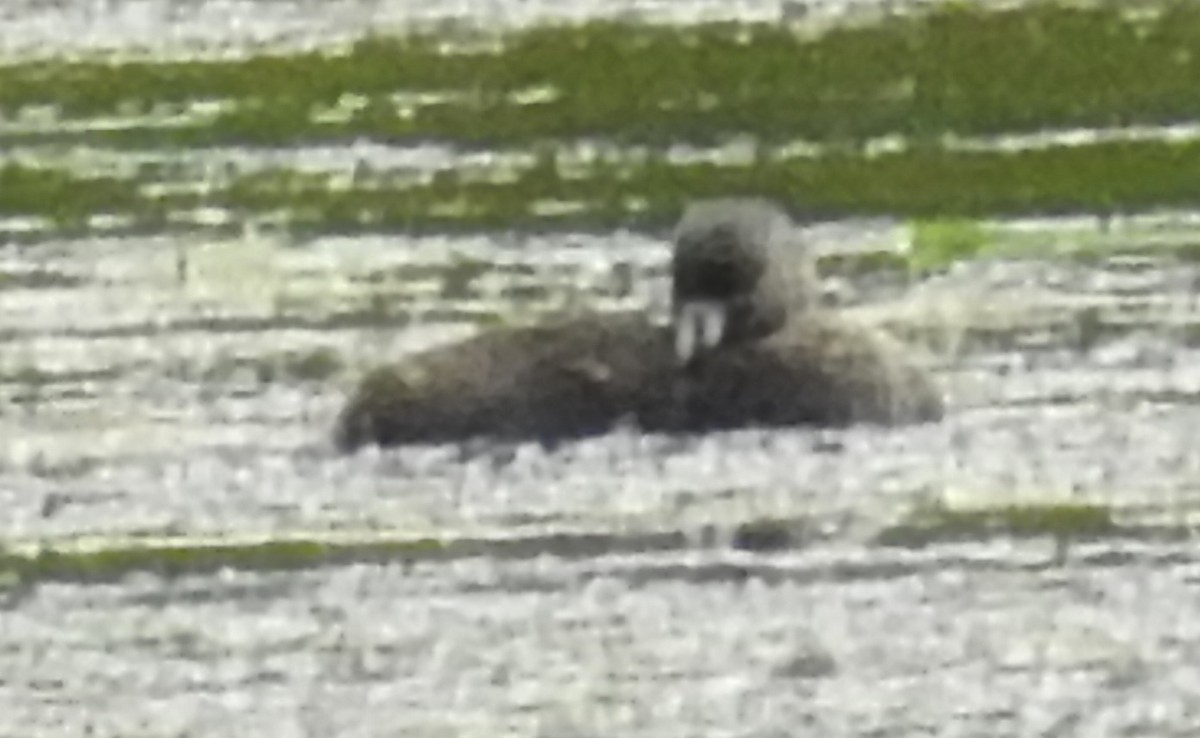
[(183, 388), (137, 405), (31, 27), (976, 644), (145, 404), (981, 643)]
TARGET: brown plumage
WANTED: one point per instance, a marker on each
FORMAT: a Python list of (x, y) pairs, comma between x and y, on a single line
[(565, 378), (779, 361)]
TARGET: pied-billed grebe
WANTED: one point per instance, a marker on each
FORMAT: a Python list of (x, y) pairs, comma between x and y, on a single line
[(747, 334)]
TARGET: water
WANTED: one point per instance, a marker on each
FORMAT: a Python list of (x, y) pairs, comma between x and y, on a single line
[(148, 421), (155, 387), (212, 27), (944, 645)]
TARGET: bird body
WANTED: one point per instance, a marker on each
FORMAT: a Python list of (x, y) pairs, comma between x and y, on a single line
[(581, 377), (746, 346)]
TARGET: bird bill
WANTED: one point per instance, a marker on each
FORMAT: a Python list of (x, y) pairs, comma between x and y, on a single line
[(699, 326)]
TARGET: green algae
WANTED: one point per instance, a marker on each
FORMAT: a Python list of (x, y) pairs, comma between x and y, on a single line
[(100, 560), (937, 242), (955, 68), (91, 560), (33, 376), (917, 182), (936, 521), (105, 562), (65, 198)]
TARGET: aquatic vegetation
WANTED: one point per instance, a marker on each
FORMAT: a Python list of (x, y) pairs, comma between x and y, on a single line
[(62, 197), (937, 520), (37, 278), (178, 558), (940, 185), (941, 241), (107, 560), (955, 68), (33, 376), (1185, 251), (814, 107)]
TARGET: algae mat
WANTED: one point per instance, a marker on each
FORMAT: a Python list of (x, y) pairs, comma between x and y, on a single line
[(958, 110)]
